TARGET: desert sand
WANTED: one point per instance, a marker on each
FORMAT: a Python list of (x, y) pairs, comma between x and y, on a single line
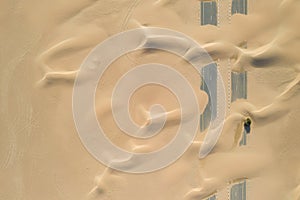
[(43, 44)]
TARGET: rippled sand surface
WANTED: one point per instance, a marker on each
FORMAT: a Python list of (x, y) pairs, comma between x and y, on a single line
[(43, 44)]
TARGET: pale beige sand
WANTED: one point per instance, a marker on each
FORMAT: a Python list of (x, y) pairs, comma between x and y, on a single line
[(42, 46)]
